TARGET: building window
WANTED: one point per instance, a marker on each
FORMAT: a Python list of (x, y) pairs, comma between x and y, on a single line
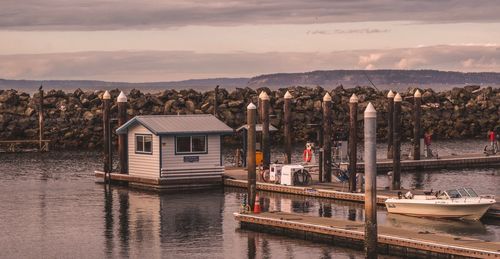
[(144, 144), (190, 144)]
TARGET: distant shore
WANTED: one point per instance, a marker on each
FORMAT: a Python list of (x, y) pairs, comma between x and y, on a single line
[(73, 119)]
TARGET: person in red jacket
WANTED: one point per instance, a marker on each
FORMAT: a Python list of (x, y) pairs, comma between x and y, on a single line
[(492, 139)]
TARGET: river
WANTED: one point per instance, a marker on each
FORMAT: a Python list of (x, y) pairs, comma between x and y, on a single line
[(51, 207)]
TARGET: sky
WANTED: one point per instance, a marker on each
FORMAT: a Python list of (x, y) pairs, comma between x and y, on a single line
[(151, 40)]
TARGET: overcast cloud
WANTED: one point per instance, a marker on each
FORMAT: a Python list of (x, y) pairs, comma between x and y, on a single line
[(147, 66), (148, 14)]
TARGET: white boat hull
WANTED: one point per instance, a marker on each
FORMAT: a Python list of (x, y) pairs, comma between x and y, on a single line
[(438, 209)]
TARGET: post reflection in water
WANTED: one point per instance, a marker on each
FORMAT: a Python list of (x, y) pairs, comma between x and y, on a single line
[(124, 222), (108, 218), (252, 247)]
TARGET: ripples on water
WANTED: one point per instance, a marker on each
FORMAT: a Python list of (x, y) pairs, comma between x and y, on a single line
[(51, 207)]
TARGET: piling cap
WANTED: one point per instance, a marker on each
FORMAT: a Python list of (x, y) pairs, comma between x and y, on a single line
[(417, 94), (288, 95), (390, 94), (122, 98), (251, 106), (398, 98), (263, 96), (353, 99), (106, 95), (327, 97), (370, 111)]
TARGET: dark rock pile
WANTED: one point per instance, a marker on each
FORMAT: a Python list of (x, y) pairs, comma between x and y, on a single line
[(74, 120)]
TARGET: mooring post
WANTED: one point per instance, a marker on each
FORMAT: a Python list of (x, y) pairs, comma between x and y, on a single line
[(266, 145), (396, 154), (251, 143), (106, 98), (327, 137), (287, 107), (370, 181), (216, 94), (353, 141), (122, 138), (320, 154), (390, 126), (41, 119), (417, 111)]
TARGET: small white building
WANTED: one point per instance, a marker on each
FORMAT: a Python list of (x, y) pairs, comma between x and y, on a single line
[(176, 151)]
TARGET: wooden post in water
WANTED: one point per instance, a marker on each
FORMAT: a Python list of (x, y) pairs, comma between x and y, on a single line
[(122, 138), (370, 133), (287, 107), (266, 147), (327, 137), (390, 126), (106, 98), (216, 94), (396, 154), (417, 111), (353, 141), (41, 119), (251, 143)]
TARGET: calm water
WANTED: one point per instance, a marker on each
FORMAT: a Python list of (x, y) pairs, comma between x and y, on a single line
[(50, 207)]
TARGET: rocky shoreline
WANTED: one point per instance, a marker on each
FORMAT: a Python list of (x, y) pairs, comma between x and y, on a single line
[(73, 120)]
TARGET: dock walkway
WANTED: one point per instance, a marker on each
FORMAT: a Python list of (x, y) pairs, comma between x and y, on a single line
[(392, 241), (237, 177), (449, 161)]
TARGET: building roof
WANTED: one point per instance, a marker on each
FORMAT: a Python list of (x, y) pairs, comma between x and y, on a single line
[(178, 124), (258, 128)]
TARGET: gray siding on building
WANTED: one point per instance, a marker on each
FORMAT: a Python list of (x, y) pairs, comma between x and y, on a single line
[(143, 165), (170, 159), (208, 165)]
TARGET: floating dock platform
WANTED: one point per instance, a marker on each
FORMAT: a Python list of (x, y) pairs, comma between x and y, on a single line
[(445, 162), (337, 191), (391, 241)]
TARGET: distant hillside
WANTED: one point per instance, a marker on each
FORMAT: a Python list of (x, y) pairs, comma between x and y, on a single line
[(382, 79), (70, 85)]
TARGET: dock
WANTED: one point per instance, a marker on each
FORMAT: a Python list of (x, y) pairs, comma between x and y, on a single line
[(236, 177), (450, 161), (391, 241)]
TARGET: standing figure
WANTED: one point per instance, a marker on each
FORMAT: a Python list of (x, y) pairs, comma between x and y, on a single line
[(492, 139)]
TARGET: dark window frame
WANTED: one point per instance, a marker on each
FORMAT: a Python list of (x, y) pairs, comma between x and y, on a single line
[(191, 145), (143, 144)]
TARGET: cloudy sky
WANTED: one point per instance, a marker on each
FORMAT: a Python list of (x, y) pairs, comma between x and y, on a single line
[(150, 40)]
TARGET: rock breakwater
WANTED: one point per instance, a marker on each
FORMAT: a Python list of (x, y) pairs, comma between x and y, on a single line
[(74, 120)]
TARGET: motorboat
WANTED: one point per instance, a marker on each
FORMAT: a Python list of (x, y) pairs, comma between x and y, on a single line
[(462, 203)]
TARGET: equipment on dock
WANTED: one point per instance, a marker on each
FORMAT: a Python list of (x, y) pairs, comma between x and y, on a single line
[(256, 206), (294, 175), (462, 203), (309, 153)]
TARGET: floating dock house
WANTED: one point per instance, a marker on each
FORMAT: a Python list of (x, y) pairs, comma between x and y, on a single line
[(175, 151)]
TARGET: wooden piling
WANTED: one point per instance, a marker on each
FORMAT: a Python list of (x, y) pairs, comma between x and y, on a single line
[(266, 145), (417, 111), (106, 98), (327, 137), (353, 141), (320, 155), (251, 163), (122, 138), (41, 119), (287, 107), (390, 126), (396, 154), (370, 133), (216, 94)]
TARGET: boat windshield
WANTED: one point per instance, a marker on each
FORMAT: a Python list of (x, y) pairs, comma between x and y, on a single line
[(453, 194), (471, 192), (463, 193)]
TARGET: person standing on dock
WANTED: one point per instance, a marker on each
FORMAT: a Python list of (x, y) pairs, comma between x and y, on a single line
[(492, 139)]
